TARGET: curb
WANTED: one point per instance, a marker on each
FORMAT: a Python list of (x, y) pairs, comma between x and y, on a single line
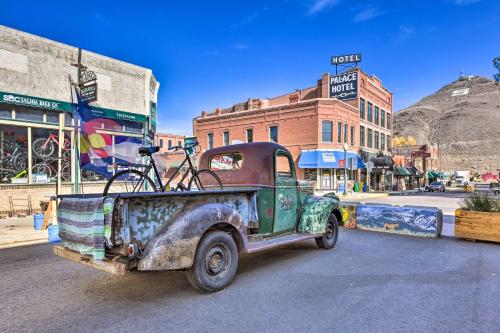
[(23, 243)]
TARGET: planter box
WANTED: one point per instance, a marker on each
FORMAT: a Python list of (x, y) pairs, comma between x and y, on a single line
[(477, 225)]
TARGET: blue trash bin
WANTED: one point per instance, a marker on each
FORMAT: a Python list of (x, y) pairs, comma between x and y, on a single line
[(54, 233), (38, 221)]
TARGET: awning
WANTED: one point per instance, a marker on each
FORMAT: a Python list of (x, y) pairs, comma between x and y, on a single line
[(432, 174), (414, 171), (401, 171), (327, 159)]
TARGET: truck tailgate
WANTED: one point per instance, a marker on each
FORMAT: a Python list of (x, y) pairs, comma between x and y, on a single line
[(107, 265)]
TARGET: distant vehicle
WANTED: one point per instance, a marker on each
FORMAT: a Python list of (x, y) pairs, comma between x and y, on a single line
[(436, 187), (495, 187), (462, 178)]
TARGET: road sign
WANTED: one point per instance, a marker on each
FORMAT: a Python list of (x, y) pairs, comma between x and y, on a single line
[(341, 163)]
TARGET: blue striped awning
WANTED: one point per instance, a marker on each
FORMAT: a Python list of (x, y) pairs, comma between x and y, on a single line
[(326, 159)]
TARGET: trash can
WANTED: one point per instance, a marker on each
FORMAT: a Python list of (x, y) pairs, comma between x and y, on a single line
[(356, 186), (54, 233), (38, 221)]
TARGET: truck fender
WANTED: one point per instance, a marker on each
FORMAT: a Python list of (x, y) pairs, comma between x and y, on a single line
[(315, 212), (174, 246)]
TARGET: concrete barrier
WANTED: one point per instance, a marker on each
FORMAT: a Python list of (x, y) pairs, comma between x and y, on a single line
[(406, 220)]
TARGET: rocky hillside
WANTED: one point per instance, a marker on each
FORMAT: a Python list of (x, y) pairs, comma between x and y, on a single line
[(466, 127)]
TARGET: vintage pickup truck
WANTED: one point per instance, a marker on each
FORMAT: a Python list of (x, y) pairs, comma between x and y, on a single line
[(262, 206)]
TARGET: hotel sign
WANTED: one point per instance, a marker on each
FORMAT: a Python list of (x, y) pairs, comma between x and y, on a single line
[(345, 59), (344, 86)]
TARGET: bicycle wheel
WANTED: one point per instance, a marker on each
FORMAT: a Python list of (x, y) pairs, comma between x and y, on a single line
[(42, 168), (205, 180), (129, 181), (43, 148)]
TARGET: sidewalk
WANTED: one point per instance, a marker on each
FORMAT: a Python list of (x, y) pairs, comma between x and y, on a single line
[(357, 195), (19, 231)]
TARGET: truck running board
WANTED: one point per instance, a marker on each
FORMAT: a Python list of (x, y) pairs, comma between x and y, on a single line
[(265, 244)]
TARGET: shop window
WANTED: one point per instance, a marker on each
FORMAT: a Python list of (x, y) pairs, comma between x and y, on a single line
[(327, 131), (5, 111), (362, 108), (13, 154), (310, 174), (283, 167), (352, 135), (29, 114), (44, 152), (376, 115), (346, 132), (369, 138), (273, 134), (362, 136), (225, 138), (132, 126), (382, 118), (68, 120), (377, 145), (52, 117), (230, 161), (339, 132), (370, 114), (210, 140), (249, 135), (382, 141)]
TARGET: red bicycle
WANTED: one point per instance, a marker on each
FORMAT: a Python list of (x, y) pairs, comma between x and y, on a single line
[(45, 147)]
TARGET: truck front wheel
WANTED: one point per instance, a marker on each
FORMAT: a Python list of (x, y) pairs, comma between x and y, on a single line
[(215, 262), (329, 239)]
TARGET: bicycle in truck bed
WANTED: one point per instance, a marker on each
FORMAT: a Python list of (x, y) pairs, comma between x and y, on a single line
[(134, 180)]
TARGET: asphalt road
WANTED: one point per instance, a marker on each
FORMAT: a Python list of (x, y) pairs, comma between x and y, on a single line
[(371, 282)]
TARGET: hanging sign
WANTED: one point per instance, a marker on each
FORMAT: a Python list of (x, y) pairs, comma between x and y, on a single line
[(89, 93), (344, 86)]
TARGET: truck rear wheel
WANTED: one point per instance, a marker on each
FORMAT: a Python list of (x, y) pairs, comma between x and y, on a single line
[(215, 262), (329, 239)]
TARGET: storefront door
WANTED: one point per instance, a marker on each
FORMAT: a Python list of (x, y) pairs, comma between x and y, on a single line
[(326, 179)]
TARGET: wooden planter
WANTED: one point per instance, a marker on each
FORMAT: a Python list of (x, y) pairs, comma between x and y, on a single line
[(477, 225)]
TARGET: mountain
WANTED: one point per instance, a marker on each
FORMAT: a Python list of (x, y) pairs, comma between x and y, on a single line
[(463, 117)]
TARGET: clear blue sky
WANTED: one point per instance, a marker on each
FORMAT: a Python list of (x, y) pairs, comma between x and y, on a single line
[(216, 53)]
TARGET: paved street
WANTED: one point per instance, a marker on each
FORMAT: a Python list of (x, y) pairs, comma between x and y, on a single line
[(371, 282)]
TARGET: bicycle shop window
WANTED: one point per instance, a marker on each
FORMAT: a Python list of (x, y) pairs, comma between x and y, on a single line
[(13, 154), (273, 134), (230, 161), (52, 117), (5, 111), (30, 114), (44, 149)]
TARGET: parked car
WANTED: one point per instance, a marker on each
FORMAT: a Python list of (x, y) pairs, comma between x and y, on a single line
[(495, 187), (262, 206), (436, 187)]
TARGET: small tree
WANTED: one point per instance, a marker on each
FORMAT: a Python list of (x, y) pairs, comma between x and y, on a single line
[(496, 63), (410, 140)]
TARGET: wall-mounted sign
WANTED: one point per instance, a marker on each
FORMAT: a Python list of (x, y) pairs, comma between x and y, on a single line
[(89, 93), (344, 86), (152, 119), (328, 157), (344, 59), (34, 102)]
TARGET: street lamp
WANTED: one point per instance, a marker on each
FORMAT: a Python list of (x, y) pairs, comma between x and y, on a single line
[(345, 146)]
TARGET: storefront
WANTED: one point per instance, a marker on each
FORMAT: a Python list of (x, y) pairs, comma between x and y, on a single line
[(326, 167), (38, 138)]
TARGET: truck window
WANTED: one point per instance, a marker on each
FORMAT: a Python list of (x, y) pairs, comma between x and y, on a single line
[(283, 167), (228, 161)]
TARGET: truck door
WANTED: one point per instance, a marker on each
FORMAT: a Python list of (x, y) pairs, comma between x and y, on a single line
[(285, 203)]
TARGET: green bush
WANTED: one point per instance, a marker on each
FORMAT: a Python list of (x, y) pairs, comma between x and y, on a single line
[(480, 203)]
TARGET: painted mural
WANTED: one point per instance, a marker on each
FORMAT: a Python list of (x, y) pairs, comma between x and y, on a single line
[(409, 220), (349, 215)]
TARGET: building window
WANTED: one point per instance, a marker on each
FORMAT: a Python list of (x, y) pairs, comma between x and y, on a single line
[(376, 115), (52, 117), (352, 135), (388, 120), (169, 144), (210, 140), (273, 134), (382, 141), (346, 132), (377, 145), (370, 114), (339, 132), (161, 143), (327, 131), (24, 113), (179, 143), (369, 138), (225, 138), (362, 136), (362, 108), (5, 111), (249, 135), (382, 118), (389, 143)]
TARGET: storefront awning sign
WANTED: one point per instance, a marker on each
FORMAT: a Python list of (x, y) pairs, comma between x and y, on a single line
[(35, 102), (321, 159)]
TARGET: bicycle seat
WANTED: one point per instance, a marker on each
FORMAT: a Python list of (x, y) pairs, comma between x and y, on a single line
[(148, 151)]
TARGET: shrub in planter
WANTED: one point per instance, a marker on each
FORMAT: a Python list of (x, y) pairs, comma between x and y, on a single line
[(478, 218)]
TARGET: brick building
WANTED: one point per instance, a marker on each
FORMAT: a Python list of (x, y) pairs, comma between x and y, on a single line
[(314, 127), (167, 140)]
